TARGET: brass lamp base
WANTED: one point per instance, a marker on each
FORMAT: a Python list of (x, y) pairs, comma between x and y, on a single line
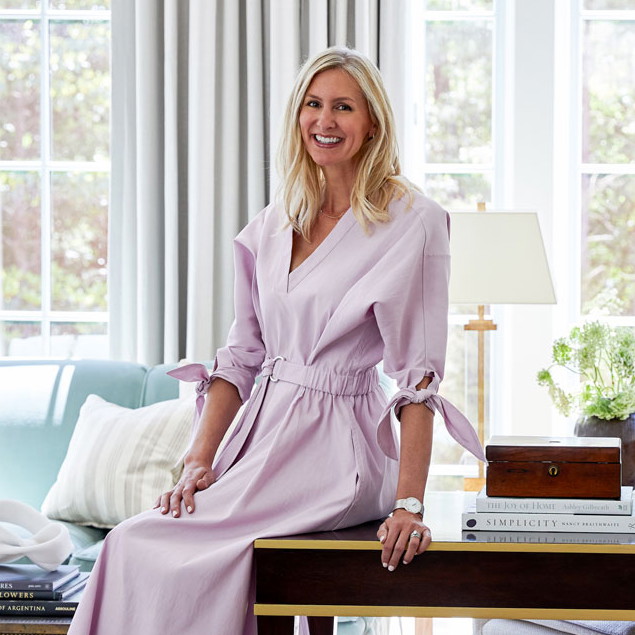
[(473, 484)]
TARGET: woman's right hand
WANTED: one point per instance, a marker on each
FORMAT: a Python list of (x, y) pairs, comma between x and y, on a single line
[(196, 477)]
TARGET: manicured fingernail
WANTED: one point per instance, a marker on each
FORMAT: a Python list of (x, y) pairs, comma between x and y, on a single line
[(382, 538), (175, 513), (385, 564), (163, 510), (405, 561), (189, 509), (391, 568)]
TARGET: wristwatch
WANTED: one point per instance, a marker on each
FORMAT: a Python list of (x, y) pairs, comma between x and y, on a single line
[(410, 504)]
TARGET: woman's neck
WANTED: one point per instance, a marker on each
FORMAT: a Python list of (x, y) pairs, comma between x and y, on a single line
[(337, 191)]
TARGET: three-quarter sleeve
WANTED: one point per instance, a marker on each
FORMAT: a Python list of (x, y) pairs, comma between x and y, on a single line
[(412, 317)]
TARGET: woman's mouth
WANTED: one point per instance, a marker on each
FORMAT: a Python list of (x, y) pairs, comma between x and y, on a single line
[(326, 141)]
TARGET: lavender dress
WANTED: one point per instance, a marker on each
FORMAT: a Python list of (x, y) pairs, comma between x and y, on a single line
[(315, 448)]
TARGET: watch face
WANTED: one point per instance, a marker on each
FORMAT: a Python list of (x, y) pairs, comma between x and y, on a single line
[(413, 505)]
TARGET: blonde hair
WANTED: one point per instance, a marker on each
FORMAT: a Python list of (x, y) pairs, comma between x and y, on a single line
[(378, 178)]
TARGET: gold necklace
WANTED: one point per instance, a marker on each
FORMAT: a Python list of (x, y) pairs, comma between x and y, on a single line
[(333, 216)]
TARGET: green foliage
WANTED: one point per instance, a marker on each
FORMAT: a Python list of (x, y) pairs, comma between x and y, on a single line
[(604, 358)]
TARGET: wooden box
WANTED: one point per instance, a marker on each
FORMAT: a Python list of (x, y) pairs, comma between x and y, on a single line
[(554, 467)]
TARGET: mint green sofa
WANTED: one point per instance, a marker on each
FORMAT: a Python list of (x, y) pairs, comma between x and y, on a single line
[(40, 402)]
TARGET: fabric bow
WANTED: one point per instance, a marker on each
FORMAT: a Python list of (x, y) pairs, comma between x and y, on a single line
[(195, 372), (456, 423)]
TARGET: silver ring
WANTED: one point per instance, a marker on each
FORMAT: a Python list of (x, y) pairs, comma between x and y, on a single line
[(415, 534)]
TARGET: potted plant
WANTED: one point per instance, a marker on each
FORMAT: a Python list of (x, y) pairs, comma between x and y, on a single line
[(603, 357)]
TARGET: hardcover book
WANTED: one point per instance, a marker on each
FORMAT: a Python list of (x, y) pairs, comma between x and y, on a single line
[(585, 523), (42, 608), (556, 538), (622, 507), (30, 577), (63, 593)]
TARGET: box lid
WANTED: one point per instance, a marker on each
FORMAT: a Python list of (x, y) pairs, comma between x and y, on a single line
[(563, 449)]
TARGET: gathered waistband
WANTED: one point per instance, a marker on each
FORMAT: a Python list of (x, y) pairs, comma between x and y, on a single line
[(317, 378)]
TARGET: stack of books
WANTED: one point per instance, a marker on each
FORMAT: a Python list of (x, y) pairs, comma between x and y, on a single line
[(511, 519), (26, 590)]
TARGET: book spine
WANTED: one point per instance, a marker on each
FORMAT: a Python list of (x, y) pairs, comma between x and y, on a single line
[(35, 608), (553, 506), (477, 521), (548, 538), (29, 595), (26, 586)]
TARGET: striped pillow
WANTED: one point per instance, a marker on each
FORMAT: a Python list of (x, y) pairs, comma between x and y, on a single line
[(119, 460)]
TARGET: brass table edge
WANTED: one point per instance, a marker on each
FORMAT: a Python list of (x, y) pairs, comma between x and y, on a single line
[(325, 610), (371, 545)]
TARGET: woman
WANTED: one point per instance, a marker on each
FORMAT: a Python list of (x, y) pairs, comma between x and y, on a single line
[(350, 268)]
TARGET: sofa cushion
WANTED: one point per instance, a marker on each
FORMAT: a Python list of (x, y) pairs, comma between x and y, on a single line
[(87, 556), (119, 460), (40, 401)]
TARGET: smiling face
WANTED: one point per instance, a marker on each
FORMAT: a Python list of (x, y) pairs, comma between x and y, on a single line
[(334, 120)]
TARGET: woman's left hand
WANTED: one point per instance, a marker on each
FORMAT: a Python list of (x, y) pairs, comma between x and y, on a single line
[(397, 534)]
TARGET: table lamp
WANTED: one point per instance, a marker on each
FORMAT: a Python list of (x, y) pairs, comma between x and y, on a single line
[(498, 257)]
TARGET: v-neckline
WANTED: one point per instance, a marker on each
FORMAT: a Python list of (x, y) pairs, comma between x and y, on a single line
[(319, 253)]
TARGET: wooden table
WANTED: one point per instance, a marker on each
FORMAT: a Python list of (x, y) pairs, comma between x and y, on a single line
[(339, 573), (34, 625)]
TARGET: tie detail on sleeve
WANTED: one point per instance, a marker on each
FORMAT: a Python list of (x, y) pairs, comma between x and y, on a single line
[(198, 373), (456, 423)]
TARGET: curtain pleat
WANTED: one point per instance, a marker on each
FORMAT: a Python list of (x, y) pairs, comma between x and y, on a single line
[(199, 90)]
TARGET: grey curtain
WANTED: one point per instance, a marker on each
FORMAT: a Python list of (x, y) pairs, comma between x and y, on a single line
[(199, 87)]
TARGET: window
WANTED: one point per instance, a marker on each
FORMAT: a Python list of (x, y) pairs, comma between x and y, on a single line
[(606, 157), (54, 177), (546, 127)]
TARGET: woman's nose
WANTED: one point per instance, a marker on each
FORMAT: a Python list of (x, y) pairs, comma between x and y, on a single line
[(326, 119)]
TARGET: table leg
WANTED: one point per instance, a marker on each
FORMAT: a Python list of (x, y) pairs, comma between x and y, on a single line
[(275, 625), (321, 625)]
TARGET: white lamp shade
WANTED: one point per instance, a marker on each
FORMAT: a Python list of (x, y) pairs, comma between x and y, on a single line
[(498, 258)]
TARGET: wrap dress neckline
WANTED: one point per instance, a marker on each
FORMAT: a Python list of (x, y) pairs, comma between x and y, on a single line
[(330, 241)]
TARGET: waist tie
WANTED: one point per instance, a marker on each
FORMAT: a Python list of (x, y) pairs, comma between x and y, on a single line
[(317, 378), (273, 369)]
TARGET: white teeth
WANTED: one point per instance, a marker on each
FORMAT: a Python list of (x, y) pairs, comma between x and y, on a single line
[(322, 139)]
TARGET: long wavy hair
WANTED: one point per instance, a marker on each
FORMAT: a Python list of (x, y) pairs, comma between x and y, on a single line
[(378, 179)]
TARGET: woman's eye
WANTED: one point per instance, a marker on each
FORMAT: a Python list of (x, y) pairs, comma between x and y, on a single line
[(312, 103), (343, 107)]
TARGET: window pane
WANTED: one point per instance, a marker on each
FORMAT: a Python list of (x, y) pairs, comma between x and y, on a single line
[(608, 253), (19, 89), (20, 255), (80, 90), (608, 116), (21, 339), (459, 92), (459, 5), (79, 241), (79, 339), (79, 4), (19, 4), (608, 4), (458, 190)]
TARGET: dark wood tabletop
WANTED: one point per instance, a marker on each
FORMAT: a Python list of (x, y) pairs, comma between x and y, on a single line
[(339, 573)]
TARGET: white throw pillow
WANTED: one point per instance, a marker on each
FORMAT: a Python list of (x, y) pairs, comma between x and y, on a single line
[(119, 460)]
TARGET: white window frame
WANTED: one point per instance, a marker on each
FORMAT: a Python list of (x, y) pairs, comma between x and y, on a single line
[(46, 167)]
